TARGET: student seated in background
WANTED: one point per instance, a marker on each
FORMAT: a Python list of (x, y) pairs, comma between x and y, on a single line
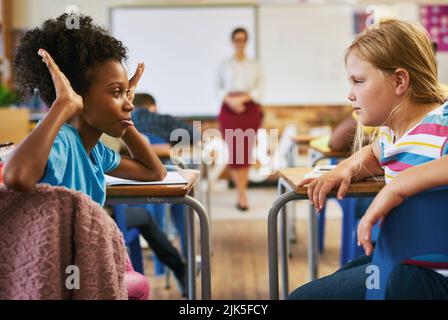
[(343, 136), (149, 122), (393, 85), (88, 90)]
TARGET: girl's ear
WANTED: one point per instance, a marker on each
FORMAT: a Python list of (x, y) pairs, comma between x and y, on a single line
[(401, 81)]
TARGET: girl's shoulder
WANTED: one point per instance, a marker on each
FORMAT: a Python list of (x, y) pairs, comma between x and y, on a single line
[(439, 115), (385, 135)]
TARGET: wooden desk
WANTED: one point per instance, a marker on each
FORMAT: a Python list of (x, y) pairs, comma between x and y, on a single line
[(320, 150), (289, 191), (297, 141), (303, 139), (181, 194)]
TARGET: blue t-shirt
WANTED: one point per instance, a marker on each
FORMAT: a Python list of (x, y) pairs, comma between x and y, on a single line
[(70, 166)]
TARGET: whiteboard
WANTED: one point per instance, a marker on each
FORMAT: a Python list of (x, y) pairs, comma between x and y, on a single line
[(182, 48), (302, 53)]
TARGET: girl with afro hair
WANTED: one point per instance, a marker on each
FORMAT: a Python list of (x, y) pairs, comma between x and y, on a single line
[(79, 74)]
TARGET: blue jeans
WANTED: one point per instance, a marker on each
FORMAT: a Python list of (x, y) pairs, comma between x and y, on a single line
[(348, 283)]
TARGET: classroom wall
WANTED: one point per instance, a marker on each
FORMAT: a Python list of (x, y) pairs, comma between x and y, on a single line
[(30, 13)]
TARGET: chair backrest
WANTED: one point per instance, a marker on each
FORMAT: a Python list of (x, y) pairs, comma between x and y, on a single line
[(55, 240), (155, 139), (417, 227)]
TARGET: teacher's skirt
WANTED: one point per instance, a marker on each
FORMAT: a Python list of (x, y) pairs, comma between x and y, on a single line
[(239, 130)]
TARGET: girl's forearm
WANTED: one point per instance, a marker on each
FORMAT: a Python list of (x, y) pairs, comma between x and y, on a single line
[(140, 150), (362, 164), (25, 167), (419, 178)]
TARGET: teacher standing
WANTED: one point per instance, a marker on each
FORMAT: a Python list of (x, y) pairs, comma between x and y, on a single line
[(240, 85)]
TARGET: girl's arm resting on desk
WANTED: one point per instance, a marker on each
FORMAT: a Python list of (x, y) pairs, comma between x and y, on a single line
[(144, 165), (408, 183), (346, 172), (25, 167)]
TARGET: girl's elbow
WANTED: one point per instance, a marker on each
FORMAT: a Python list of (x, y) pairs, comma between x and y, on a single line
[(161, 174), (16, 182)]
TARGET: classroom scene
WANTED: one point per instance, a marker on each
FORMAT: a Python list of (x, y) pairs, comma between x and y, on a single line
[(223, 150)]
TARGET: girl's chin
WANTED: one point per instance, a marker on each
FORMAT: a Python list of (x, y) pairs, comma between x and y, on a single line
[(116, 133)]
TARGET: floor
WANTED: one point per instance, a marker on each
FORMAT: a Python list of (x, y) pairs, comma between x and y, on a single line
[(239, 242)]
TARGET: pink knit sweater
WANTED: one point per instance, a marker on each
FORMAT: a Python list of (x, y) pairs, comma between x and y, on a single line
[(47, 231)]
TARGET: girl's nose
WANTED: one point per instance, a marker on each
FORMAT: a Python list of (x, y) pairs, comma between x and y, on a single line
[(128, 105), (351, 96)]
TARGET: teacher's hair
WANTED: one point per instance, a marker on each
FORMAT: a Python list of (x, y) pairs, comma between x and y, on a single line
[(238, 30)]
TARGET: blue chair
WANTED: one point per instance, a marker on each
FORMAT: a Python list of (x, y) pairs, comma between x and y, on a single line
[(417, 227), (155, 139), (178, 218), (131, 237)]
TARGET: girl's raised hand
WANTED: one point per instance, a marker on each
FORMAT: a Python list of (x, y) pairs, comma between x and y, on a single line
[(133, 82), (65, 95)]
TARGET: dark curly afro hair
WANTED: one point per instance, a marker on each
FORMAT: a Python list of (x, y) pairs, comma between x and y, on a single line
[(75, 51)]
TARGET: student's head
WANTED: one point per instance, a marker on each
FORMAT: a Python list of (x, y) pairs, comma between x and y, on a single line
[(92, 62), (145, 100), (391, 65), (434, 47), (239, 39)]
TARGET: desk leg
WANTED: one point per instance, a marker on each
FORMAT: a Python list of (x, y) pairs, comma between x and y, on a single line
[(191, 256), (272, 240), (194, 204), (312, 243), (284, 243), (205, 248), (208, 201)]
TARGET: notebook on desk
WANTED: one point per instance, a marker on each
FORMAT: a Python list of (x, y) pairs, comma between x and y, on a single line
[(320, 170), (172, 177)]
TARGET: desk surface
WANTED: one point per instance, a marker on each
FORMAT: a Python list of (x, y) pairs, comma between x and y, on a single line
[(303, 138), (293, 176), (321, 145), (173, 190)]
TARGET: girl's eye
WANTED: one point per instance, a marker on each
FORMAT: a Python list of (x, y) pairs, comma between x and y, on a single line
[(117, 92), (357, 81)]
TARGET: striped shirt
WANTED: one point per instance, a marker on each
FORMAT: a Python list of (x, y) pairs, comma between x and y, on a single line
[(426, 141)]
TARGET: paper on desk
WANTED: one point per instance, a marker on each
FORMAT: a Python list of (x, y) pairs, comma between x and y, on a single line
[(319, 170), (172, 177)]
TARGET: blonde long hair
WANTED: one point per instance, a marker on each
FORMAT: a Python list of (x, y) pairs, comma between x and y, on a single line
[(392, 44)]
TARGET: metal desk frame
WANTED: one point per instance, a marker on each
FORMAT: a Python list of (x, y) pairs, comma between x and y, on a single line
[(193, 205), (286, 194)]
